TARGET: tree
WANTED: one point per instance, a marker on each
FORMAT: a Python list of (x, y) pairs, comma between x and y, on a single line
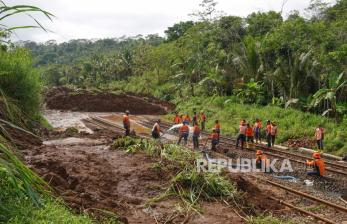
[(260, 23), (329, 95), (178, 30)]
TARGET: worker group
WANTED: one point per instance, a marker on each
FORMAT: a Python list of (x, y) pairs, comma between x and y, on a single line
[(248, 134)]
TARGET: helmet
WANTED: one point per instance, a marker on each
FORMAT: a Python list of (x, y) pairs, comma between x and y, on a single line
[(316, 155), (127, 112), (259, 152)]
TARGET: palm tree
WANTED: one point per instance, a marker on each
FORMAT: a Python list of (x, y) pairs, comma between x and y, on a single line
[(329, 95)]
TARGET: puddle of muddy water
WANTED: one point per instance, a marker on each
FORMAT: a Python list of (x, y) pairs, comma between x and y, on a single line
[(64, 119)]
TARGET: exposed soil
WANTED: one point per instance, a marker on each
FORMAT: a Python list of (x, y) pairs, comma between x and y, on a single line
[(256, 200), (301, 142), (63, 98), (22, 139)]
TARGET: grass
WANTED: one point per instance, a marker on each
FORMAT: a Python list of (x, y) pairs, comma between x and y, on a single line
[(266, 219), (292, 123)]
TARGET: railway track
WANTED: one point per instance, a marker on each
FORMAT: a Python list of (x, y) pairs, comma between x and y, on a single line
[(110, 125), (332, 166)]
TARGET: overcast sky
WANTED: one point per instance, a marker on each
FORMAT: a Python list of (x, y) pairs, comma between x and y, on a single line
[(114, 18)]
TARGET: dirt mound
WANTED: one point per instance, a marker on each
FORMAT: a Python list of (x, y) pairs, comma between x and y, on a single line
[(21, 138), (63, 98), (257, 200), (301, 142)]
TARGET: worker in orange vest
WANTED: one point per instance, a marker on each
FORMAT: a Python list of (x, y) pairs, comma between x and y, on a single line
[(257, 131), (268, 133), (186, 119), (217, 128), (319, 136), (126, 123), (249, 135), (203, 120), (177, 119), (274, 132), (242, 134), (196, 135), (317, 163), (262, 162), (156, 130), (183, 133), (214, 140)]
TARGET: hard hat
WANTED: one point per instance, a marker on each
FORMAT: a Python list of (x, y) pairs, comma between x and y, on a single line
[(259, 152), (316, 155), (127, 112)]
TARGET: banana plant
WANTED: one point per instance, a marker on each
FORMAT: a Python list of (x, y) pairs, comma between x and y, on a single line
[(330, 95)]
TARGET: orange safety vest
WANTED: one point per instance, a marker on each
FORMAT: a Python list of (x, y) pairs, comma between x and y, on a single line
[(264, 159), (187, 118), (214, 136), (217, 127), (196, 130), (249, 132), (257, 125), (184, 129), (177, 119), (126, 120), (318, 163), (268, 129)]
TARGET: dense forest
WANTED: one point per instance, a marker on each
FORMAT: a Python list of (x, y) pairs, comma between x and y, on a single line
[(262, 59)]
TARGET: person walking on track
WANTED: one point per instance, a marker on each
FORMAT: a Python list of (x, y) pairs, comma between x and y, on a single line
[(319, 136), (183, 133), (274, 132), (242, 134), (203, 120), (196, 136)]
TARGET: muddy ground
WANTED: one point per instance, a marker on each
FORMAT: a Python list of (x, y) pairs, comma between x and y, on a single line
[(91, 176), (62, 98)]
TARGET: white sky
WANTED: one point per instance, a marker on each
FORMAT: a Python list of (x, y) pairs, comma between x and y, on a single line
[(114, 18)]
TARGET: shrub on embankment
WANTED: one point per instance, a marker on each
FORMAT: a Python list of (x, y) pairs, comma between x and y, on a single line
[(19, 81), (292, 123)]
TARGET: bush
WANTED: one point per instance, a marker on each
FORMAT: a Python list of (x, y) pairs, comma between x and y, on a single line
[(20, 81)]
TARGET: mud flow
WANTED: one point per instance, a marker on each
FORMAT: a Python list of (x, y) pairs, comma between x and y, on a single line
[(63, 98)]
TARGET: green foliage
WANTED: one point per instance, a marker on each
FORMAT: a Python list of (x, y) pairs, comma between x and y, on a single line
[(251, 92), (20, 81), (192, 186), (266, 220), (177, 30), (10, 11)]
